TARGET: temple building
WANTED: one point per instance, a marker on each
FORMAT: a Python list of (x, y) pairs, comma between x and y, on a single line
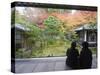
[(88, 33)]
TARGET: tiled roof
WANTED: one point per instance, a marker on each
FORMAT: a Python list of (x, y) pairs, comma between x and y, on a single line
[(86, 27), (21, 27)]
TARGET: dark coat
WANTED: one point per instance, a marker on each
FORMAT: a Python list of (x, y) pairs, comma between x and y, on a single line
[(85, 59), (72, 58)]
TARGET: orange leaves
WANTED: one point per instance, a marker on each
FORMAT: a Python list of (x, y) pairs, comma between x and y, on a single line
[(71, 19), (61, 16), (77, 18), (88, 16)]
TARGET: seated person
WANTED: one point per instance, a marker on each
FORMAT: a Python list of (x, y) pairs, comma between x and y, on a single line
[(72, 56), (85, 57)]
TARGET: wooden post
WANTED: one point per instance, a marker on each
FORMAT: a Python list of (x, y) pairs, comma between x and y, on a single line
[(85, 35)]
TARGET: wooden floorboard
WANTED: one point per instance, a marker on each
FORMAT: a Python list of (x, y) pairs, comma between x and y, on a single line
[(44, 65)]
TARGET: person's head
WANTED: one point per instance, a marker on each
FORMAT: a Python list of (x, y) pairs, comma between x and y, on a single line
[(73, 44), (85, 44)]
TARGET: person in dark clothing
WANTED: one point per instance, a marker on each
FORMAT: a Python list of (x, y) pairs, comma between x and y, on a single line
[(85, 57), (72, 57)]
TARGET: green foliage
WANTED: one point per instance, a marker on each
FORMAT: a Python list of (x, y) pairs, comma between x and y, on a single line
[(52, 26), (94, 50), (52, 22), (53, 31), (21, 53), (34, 35), (72, 36), (93, 26), (34, 31), (20, 19)]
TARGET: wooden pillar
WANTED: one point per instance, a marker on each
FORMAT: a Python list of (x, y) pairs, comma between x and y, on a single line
[(85, 35)]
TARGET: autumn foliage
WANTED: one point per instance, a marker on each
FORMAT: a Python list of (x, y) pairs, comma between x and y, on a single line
[(78, 18)]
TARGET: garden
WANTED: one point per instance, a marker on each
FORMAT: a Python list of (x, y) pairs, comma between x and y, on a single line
[(50, 31)]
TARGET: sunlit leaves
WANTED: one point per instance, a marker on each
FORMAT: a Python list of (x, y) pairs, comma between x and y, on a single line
[(52, 22)]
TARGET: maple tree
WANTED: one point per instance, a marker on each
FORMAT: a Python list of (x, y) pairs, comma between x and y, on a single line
[(78, 18)]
